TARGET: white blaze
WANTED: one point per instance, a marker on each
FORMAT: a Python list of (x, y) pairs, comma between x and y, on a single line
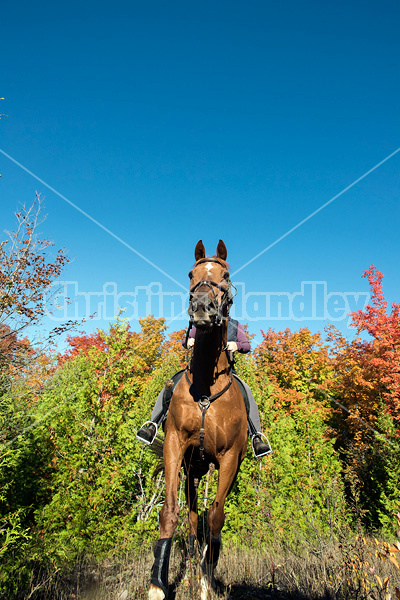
[(209, 266)]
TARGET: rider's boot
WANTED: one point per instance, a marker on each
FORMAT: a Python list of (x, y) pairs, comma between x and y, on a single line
[(260, 448), (147, 432)]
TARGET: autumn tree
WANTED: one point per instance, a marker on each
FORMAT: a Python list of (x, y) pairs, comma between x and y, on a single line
[(298, 365), (27, 271), (381, 355), (367, 372), (367, 384)]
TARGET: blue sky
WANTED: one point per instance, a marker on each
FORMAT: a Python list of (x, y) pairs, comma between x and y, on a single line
[(171, 122)]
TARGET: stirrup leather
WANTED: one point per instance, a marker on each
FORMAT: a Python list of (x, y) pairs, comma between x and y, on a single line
[(262, 436), (146, 424)]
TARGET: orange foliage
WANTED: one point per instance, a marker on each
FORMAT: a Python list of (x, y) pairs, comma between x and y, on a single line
[(297, 363), (20, 363), (368, 372), (13, 351), (173, 345)]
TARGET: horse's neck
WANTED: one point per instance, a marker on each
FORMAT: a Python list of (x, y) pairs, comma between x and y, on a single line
[(210, 364)]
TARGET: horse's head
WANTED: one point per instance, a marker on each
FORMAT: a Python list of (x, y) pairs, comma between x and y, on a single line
[(210, 287)]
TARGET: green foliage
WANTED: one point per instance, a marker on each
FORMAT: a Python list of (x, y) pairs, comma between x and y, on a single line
[(383, 479), (77, 485), (24, 469)]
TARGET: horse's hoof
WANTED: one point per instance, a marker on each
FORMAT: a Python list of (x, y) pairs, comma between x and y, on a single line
[(155, 593), (206, 588)]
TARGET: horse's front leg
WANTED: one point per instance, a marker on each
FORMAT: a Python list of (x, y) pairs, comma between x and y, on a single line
[(229, 466), (173, 454)]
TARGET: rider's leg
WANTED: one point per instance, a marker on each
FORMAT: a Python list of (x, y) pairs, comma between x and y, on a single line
[(158, 408), (260, 448), (254, 415)]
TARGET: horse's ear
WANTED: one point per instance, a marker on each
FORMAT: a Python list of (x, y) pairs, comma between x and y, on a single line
[(199, 251), (221, 250)]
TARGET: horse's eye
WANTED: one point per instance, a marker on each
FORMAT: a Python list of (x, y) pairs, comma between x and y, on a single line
[(191, 275), (226, 276)]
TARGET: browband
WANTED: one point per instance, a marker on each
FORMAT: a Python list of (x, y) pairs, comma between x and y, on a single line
[(211, 259)]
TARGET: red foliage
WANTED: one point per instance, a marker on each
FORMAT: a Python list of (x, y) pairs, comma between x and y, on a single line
[(382, 354), (83, 343), (368, 372)]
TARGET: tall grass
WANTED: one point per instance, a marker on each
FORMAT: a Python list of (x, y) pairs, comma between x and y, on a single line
[(355, 568)]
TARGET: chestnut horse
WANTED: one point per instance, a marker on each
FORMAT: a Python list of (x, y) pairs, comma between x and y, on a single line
[(206, 422)]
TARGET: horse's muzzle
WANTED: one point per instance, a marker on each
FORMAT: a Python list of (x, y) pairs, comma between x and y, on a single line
[(203, 311), (203, 323)]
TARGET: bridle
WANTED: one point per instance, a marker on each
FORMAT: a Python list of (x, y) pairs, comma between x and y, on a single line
[(227, 296)]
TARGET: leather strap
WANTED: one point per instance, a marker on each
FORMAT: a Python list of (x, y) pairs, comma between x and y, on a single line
[(204, 403)]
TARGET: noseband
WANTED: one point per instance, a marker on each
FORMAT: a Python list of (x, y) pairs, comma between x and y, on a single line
[(227, 296)]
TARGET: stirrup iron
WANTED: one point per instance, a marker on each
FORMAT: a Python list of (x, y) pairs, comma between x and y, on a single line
[(266, 440), (147, 442)]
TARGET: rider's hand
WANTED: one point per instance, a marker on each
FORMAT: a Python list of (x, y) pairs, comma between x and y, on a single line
[(190, 343), (231, 346)]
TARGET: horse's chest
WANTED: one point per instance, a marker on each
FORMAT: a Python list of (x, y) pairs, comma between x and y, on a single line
[(222, 424)]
